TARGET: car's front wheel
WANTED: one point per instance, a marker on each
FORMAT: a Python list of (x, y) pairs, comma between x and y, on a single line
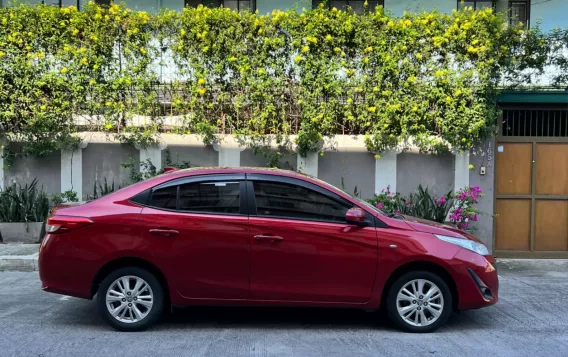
[(130, 299), (419, 301)]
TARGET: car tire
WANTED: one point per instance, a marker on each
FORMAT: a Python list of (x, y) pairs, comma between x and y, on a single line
[(139, 308), (419, 301)]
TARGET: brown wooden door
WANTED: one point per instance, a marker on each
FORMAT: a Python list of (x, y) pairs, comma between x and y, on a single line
[(531, 204)]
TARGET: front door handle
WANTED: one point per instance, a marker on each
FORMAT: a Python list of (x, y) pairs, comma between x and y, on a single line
[(163, 232), (268, 237)]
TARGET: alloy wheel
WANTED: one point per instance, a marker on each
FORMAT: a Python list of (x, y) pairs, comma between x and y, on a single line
[(420, 302), (129, 299)]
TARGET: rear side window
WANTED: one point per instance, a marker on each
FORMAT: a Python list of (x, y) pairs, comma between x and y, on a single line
[(213, 197), (278, 199), (164, 198)]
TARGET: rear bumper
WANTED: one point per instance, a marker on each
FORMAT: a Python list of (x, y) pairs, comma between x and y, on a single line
[(478, 283), (64, 269)]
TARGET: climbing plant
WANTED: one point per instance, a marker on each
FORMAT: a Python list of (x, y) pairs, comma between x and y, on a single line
[(274, 81)]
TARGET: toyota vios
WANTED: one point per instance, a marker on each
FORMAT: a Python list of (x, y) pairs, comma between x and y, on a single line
[(241, 236)]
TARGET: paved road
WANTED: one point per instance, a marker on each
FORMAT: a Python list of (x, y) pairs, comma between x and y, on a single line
[(530, 320)]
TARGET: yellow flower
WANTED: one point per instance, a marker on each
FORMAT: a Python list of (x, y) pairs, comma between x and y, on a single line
[(40, 55), (385, 125), (108, 126), (300, 102), (43, 107), (328, 38), (2, 54), (108, 104), (260, 31), (98, 17), (471, 167), (358, 89), (366, 60), (233, 59), (75, 32), (64, 70), (334, 9), (375, 89), (182, 32), (372, 109), (312, 40), (180, 47), (458, 92), (415, 108), (412, 79), (92, 82), (84, 61), (202, 91), (369, 49), (349, 100), (298, 59), (377, 156), (305, 49), (143, 50), (464, 140), (107, 18), (95, 67), (205, 49), (94, 38), (201, 81)]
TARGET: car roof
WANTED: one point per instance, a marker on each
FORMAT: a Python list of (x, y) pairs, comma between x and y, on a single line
[(240, 169)]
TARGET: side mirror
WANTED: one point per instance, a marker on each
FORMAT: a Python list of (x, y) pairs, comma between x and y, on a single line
[(355, 216)]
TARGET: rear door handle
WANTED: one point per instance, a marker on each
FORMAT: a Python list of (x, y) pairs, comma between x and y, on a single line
[(163, 232), (268, 237)]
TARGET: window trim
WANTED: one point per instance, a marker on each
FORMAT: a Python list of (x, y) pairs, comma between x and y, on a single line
[(252, 4), (251, 199), (527, 22), (475, 3), (327, 5)]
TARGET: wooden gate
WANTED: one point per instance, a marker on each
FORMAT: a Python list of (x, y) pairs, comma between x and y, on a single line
[(531, 184)]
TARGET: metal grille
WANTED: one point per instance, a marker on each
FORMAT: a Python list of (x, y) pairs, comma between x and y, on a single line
[(518, 12), (535, 122)]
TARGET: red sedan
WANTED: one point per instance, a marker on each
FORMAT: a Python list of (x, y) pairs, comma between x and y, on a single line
[(217, 236)]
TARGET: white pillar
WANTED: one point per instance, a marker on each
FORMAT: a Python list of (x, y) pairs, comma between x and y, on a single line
[(309, 164), (385, 171), (72, 170), (152, 153), (229, 156), (461, 174)]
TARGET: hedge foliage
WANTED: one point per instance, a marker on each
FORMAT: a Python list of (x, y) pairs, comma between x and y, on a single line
[(429, 77)]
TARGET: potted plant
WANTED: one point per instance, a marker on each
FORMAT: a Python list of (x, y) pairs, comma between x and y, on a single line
[(23, 210)]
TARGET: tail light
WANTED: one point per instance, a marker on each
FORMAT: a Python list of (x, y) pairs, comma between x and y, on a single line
[(62, 224)]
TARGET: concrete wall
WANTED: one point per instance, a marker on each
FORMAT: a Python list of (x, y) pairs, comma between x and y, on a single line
[(484, 157), (433, 171), (204, 156), (287, 162), (356, 169), (46, 169), (102, 161)]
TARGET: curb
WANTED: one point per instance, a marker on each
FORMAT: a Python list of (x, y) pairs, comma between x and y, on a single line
[(19, 263)]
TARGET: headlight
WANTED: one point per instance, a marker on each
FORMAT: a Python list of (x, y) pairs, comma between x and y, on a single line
[(478, 248)]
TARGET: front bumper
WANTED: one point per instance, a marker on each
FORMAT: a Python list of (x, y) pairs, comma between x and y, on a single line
[(478, 282)]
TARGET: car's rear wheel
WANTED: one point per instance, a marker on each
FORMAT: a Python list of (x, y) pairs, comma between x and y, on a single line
[(419, 301), (130, 299)]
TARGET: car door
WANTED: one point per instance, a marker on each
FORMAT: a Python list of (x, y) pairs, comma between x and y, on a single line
[(302, 247), (198, 228)]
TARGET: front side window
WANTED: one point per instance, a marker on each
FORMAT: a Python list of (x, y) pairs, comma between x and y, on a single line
[(230, 4), (210, 197), (284, 200), (358, 6)]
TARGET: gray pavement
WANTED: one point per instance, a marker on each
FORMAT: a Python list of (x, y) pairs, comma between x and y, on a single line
[(530, 320)]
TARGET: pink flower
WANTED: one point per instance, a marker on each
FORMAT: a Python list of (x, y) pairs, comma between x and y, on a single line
[(380, 205), (397, 211)]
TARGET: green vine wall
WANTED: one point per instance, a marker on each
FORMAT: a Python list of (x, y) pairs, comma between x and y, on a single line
[(429, 78)]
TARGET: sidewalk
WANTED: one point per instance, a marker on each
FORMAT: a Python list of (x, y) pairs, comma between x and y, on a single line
[(19, 257)]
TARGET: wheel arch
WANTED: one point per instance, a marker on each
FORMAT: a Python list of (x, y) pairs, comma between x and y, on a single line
[(422, 265), (122, 262)]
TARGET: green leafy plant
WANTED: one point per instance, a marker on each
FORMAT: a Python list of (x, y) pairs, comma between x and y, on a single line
[(64, 197), (101, 189), (146, 169), (430, 79), (23, 203), (419, 204)]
